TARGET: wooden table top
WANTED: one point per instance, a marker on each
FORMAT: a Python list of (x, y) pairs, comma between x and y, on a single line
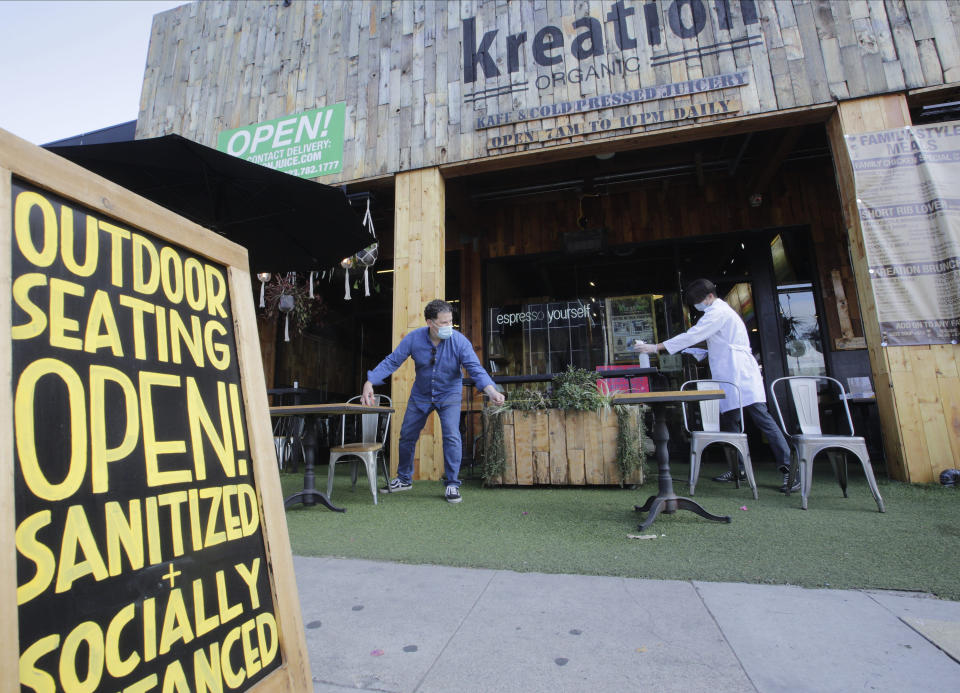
[(667, 396), (328, 408)]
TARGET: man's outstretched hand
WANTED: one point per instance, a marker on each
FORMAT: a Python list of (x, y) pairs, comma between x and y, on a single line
[(496, 397), (366, 395)]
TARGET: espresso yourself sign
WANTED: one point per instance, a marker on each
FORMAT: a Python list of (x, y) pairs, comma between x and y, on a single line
[(146, 552)]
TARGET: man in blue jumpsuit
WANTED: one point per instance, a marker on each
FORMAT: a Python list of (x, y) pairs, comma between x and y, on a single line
[(439, 354)]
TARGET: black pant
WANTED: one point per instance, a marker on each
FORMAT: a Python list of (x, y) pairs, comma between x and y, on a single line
[(730, 421)]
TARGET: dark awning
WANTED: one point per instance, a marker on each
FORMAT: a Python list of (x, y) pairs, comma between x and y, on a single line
[(286, 223)]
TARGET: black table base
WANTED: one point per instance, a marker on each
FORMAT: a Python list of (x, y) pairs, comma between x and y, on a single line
[(666, 501), (310, 495)]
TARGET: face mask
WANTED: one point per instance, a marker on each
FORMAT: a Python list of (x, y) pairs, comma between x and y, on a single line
[(700, 306), (445, 331)]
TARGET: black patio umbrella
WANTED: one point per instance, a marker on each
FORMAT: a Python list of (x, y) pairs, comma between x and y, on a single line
[(286, 223)]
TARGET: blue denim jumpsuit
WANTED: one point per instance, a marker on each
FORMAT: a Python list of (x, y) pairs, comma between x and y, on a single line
[(438, 386)]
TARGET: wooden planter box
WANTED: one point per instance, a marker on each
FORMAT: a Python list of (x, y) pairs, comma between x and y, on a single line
[(561, 448)]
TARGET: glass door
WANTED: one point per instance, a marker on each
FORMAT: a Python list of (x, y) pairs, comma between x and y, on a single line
[(800, 330), (737, 265)]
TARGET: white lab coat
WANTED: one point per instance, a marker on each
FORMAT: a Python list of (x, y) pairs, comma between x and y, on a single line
[(728, 348)]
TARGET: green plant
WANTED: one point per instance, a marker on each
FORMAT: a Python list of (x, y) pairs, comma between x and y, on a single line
[(633, 440), (494, 452), (576, 388), (527, 400), (306, 309)]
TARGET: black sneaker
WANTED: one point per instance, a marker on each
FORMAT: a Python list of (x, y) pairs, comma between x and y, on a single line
[(727, 477), (397, 485), (452, 494), (786, 480)]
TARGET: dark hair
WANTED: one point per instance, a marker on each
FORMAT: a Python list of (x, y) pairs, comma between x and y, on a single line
[(698, 289), (435, 307)]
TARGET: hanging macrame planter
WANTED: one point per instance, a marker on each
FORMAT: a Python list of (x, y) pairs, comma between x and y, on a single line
[(264, 277), (346, 263), (286, 305), (368, 256)]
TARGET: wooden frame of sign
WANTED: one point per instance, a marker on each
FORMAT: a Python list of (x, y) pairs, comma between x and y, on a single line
[(138, 484)]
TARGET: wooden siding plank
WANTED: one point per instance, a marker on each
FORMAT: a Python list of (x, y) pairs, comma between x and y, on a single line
[(541, 468), (510, 452), (817, 82), (526, 473), (558, 447), (593, 451), (608, 433), (575, 446), (523, 427), (906, 44)]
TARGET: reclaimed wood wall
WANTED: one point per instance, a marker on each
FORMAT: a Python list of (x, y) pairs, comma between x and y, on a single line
[(399, 66), (918, 387)]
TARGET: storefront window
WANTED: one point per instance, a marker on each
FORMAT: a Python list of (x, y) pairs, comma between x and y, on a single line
[(544, 337), (553, 310), (590, 332), (801, 330), (799, 322)]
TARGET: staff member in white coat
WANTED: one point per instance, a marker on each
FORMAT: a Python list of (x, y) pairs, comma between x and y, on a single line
[(728, 349)]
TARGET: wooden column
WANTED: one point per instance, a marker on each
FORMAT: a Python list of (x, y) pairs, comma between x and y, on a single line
[(918, 387), (418, 278), (267, 332)]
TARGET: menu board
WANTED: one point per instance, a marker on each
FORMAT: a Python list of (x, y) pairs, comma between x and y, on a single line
[(906, 185), (629, 318), (141, 555)]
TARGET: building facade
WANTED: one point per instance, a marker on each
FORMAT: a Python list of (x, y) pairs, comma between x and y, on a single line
[(562, 168)]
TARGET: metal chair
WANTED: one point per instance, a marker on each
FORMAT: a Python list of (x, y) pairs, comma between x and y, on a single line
[(811, 440), (373, 436), (711, 433)]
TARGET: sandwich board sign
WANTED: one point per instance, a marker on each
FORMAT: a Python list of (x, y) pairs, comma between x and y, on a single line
[(138, 485)]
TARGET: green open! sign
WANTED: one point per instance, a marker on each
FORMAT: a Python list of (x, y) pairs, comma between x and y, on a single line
[(307, 145)]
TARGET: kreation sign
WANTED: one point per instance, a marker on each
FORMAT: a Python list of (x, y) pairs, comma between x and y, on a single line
[(604, 124), (621, 98), (685, 18)]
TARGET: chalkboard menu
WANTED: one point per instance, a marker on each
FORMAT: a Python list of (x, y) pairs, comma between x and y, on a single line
[(141, 554)]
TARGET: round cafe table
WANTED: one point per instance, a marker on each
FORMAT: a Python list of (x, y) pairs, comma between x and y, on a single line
[(666, 501), (310, 495)]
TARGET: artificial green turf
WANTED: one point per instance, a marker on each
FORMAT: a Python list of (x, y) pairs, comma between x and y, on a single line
[(839, 542)]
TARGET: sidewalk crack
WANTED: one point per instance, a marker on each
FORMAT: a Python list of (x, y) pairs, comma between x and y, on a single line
[(456, 631)]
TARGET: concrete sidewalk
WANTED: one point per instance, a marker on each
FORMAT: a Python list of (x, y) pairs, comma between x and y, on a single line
[(394, 627)]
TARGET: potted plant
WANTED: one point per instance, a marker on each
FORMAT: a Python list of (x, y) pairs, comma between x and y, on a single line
[(571, 437), (283, 295)]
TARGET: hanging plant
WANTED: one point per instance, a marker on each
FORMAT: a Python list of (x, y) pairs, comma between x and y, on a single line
[(283, 294)]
